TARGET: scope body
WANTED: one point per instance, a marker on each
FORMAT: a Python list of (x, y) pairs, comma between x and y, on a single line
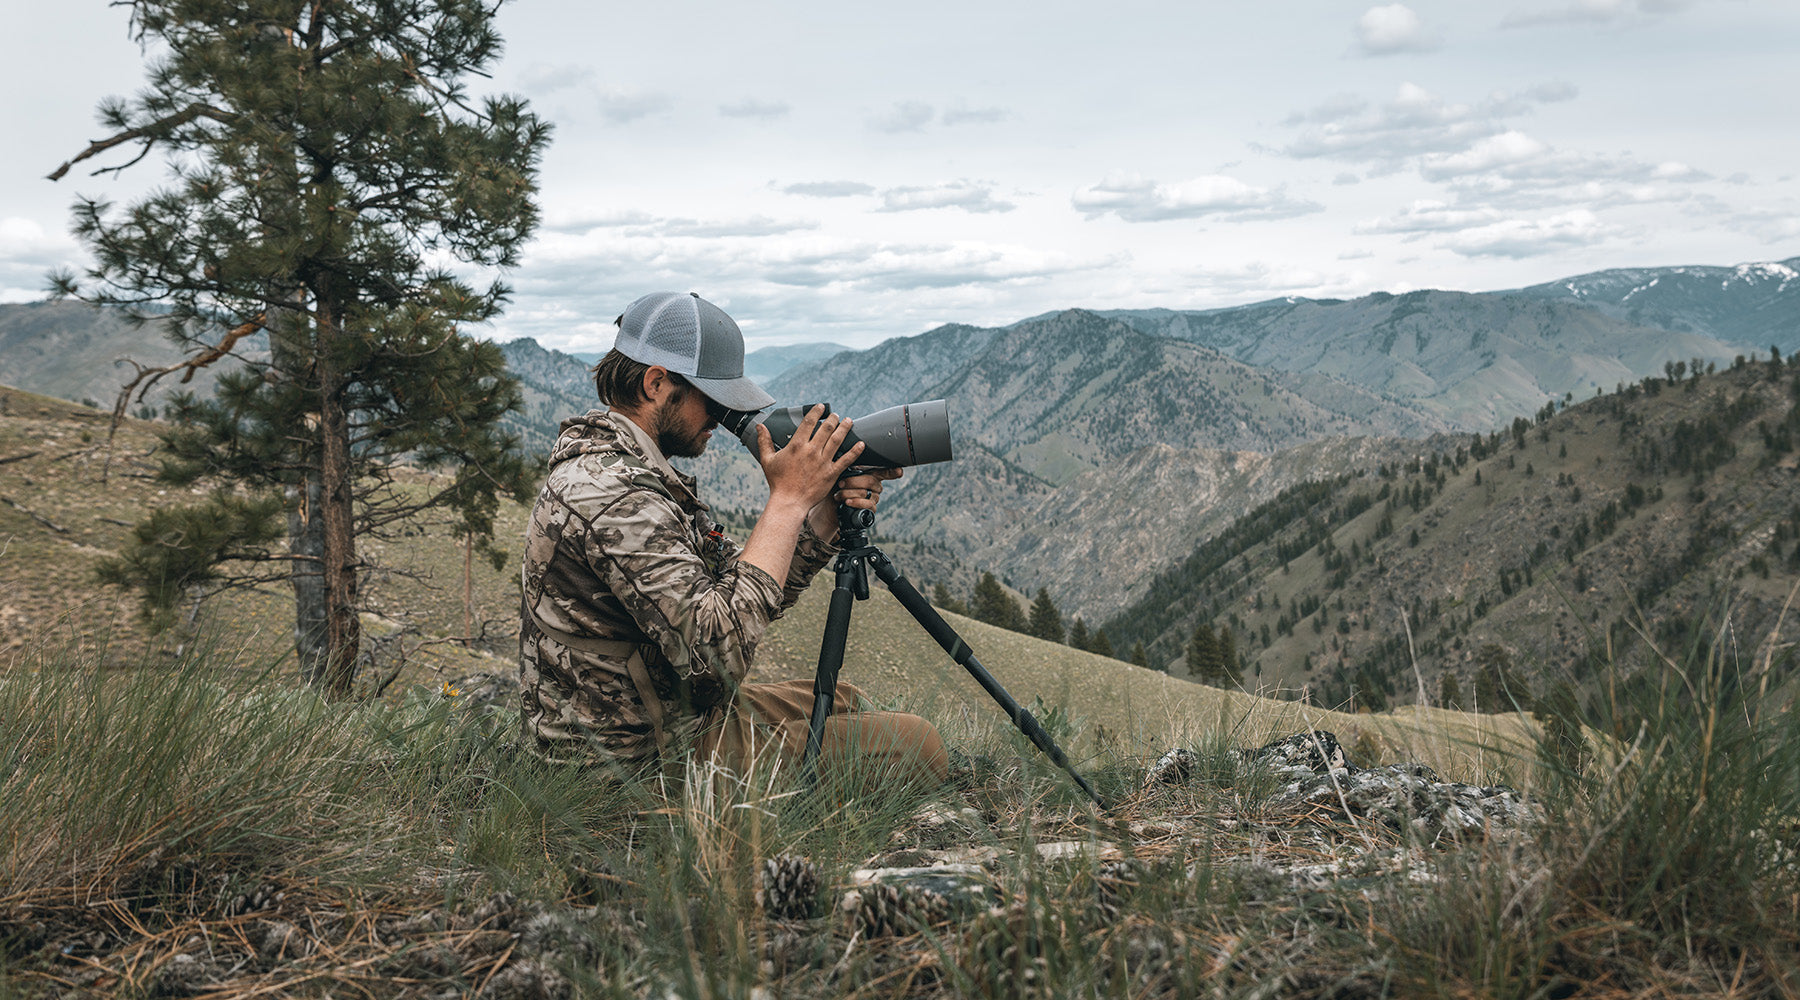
[(899, 436)]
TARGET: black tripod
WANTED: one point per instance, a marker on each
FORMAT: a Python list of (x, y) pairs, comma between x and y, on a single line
[(852, 569)]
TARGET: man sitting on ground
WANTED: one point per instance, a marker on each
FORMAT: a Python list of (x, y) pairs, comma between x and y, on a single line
[(641, 618)]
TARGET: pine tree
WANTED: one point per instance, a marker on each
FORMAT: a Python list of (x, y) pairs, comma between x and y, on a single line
[(1139, 656), (1230, 672), (940, 596), (1045, 621), (1078, 635), (1203, 654), (1100, 644), (992, 604), (326, 162), (1449, 691)]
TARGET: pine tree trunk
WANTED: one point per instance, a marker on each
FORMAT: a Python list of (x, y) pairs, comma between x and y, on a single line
[(306, 537), (289, 347), (343, 631)]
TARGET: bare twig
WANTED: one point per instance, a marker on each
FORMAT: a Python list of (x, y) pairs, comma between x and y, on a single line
[(39, 518), (148, 377), (18, 458)]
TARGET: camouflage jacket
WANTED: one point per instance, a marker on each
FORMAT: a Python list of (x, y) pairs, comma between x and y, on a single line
[(620, 548)]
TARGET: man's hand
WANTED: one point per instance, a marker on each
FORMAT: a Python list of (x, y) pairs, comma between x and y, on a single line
[(801, 475), (863, 489), (804, 471)]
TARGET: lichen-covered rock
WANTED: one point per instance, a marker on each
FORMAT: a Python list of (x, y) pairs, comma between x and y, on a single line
[(1413, 796), (1173, 768), (965, 888), (1316, 771), (1316, 751)]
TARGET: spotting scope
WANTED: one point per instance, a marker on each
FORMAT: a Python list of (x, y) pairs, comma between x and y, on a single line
[(908, 434)]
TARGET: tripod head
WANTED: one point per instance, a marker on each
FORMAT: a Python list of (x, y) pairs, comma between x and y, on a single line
[(853, 539)]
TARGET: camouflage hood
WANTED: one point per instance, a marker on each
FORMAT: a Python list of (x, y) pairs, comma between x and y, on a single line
[(600, 432)]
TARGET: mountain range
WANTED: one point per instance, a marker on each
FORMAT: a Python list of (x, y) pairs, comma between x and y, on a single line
[(1095, 447)]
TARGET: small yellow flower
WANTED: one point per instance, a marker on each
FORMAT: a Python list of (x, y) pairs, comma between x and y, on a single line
[(450, 690)]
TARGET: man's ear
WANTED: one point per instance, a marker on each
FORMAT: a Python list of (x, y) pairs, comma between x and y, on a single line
[(657, 383)]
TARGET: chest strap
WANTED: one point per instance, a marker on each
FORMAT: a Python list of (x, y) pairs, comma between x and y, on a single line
[(635, 667)]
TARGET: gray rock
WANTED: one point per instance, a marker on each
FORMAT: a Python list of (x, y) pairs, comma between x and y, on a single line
[(1315, 771)]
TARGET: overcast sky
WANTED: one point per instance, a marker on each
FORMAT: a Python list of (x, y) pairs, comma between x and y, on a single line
[(856, 171)]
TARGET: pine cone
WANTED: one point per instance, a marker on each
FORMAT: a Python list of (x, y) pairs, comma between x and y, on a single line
[(895, 909), (1011, 948), (790, 887)]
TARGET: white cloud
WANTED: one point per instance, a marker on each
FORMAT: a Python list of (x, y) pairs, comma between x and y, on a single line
[(1769, 225), (1137, 199), (907, 116), (1429, 217), (1415, 122), (752, 108), (1593, 12), (28, 253), (1518, 238), (1485, 154), (548, 79), (1392, 29), (1554, 92), (26, 240), (755, 225), (581, 220), (621, 105), (974, 116), (594, 274), (966, 195), (829, 189), (1674, 170)]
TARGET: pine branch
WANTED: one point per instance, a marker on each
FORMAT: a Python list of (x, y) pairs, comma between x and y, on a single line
[(151, 132)]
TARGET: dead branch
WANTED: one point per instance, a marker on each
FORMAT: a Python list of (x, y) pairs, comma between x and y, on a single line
[(8, 460), (148, 377), (39, 518)]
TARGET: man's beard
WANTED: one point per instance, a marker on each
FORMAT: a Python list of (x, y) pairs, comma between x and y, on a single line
[(671, 439)]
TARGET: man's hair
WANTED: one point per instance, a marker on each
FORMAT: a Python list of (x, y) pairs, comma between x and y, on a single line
[(619, 380)]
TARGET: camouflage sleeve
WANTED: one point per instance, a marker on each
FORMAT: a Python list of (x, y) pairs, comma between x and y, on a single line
[(707, 625), (811, 554)]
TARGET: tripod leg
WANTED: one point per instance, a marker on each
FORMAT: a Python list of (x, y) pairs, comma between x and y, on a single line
[(831, 660), (934, 623)]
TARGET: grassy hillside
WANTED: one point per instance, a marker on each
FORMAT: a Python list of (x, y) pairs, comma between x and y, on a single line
[(1661, 517), (58, 519)]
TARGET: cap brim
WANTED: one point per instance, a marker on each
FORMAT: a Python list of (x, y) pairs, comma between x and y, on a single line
[(733, 393)]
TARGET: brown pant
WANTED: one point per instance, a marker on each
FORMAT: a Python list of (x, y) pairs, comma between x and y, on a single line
[(775, 718)]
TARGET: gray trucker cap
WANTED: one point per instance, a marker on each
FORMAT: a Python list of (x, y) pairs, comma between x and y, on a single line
[(694, 339)]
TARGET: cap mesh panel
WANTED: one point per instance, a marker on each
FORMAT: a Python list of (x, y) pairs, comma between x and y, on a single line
[(674, 327)]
